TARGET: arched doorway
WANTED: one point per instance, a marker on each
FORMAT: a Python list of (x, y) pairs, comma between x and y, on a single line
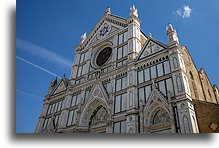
[(160, 121), (94, 117), (98, 120)]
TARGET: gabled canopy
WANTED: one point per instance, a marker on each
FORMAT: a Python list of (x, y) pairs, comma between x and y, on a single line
[(61, 86), (151, 46), (115, 22)]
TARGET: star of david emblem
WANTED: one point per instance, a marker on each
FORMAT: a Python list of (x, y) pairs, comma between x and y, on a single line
[(104, 31)]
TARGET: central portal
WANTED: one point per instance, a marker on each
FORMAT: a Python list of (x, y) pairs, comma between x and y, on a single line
[(98, 120)]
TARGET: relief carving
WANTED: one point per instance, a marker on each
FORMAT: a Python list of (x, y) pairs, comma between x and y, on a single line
[(96, 92), (100, 116), (95, 113), (161, 116)]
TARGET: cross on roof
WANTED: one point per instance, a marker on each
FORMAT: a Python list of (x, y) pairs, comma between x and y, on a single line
[(150, 46)]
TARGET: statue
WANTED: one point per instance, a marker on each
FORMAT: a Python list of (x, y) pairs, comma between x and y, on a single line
[(83, 37), (108, 10)]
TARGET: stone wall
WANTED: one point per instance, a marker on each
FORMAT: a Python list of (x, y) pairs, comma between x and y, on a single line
[(193, 76), (207, 115), (143, 40), (207, 87), (199, 84), (216, 93)]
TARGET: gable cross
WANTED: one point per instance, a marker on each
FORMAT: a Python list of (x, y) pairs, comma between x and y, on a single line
[(150, 46), (61, 86)]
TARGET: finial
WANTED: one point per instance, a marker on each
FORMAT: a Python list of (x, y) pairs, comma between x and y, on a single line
[(108, 10), (153, 83), (64, 75), (171, 34), (54, 82), (170, 26), (133, 11), (83, 37), (150, 35)]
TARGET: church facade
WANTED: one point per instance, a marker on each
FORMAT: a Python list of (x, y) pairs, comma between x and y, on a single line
[(123, 81)]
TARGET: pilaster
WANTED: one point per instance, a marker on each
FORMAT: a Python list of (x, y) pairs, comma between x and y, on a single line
[(185, 107)]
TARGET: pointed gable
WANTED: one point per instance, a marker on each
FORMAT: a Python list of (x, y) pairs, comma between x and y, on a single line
[(98, 36), (107, 25), (156, 97), (61, 86), (151, 46), (97, 91)]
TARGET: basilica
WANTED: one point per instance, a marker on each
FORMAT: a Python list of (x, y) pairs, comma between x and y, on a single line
[(123, 81)]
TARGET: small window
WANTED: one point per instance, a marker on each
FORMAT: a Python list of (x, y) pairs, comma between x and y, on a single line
[(160, 70), (121, 83), (70, 117), (119, 127), (209, 93), (120, 102), (140, 77), (191, 75), (153, 72), (166, 67)]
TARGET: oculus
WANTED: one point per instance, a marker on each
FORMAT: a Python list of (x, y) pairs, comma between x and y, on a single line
[(103, 56)]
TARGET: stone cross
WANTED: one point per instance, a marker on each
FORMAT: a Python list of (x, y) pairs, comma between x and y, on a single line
[(150, 46)]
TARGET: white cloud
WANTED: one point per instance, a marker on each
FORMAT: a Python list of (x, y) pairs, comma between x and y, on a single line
[(43, 53), (178, 12), (187, 11), (184, 12), (37, 66)]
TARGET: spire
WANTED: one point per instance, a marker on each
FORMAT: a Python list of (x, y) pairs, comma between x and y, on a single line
[(171, 34), (133, 11)]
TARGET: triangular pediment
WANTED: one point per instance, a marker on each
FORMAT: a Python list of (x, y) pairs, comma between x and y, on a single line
[(107, 25), (156, 97), (151, 46), (98, 91), (111, 29), (96, 98), (61, 86)]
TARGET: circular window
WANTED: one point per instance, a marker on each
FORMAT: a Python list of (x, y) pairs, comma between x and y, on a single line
[(103, 56)]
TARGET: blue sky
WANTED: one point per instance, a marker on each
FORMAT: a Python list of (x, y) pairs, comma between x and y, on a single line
[(47, 32)]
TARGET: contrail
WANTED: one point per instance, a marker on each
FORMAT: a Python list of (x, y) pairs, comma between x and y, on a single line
[(44, 53), (37, 66), (28, 94)]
